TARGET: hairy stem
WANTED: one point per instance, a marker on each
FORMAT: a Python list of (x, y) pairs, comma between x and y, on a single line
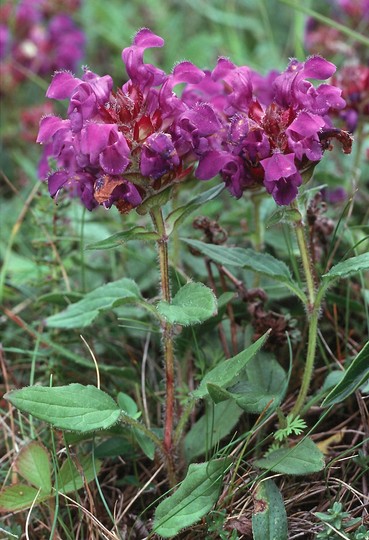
[(306, 263), (168, 345), (309, 365), (313, 311)]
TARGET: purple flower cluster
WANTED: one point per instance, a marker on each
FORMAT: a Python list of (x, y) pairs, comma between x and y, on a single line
[(269, 132), (118, 147), (35, 39), (121, 147)]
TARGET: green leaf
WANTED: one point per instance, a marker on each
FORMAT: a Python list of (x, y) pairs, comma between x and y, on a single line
[(33, 463), (221, 254), (176, 217), (304, 458), (225, 372), (84, 312), (217, 393), (59, 298), (116, 446), (283, 215), (74, 407), (194, 498), (71, 477), (145, 443), (355, 375), (265, 386), (157, 200), (19, 497), (193, 304), (225, 298), (217, 422), (269, 519), (120, 238), (128, 405), (261, 263), (347, 268)]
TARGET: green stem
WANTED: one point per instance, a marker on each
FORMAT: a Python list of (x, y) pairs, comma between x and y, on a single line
[(168, 345), (183, 420), (309, 365), (313, 311), (306, 262)]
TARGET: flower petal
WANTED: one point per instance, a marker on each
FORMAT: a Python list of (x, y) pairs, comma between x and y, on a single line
[(279, 166), (62, 85)]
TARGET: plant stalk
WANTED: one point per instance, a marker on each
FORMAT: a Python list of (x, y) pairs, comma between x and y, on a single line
[(313, 312), (309, 365), (306, 263), (168, 345)]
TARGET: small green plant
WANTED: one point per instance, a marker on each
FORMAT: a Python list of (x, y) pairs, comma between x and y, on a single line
[(336, 523), (293, 426)]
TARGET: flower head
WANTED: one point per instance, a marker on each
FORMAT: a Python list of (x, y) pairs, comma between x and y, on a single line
[(266, 136), (119, 147)]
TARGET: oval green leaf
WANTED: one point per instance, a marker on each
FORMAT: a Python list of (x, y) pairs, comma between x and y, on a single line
[(194, 498), (33, 463), (265, 386), (269, 519), (347, 268), (85, 311), (74, 407), (304, 458), (262, 263), (225, 372), (19, 497), (217, 422), (193, 304), (120, 238)]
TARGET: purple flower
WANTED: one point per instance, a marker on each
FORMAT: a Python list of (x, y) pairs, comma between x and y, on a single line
[(158, 156), (281, 177), (105, 147), (303, 136), (292, 89), (267, 128), (237, 84), (120, 147), (143, 75)]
